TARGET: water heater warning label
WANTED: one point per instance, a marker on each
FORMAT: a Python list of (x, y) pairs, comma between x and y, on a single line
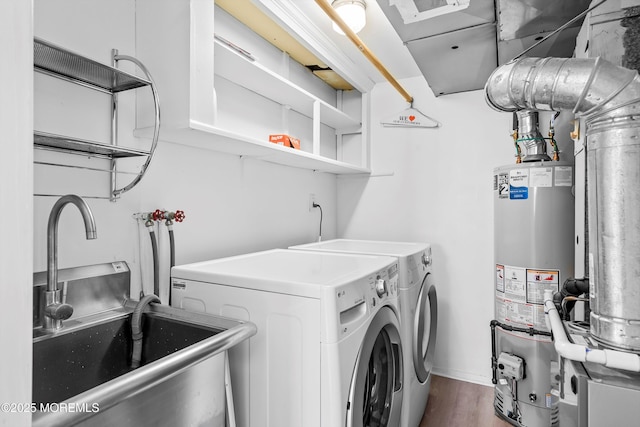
[(519, 294), (515, 284), (499, 278), (541, 177), (518, 184), (502, 185), (538, 281), (564, 176)]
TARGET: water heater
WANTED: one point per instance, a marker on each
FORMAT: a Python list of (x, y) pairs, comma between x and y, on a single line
[(533, 241)]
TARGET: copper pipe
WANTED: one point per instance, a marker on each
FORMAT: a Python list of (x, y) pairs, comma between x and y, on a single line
[(330, 11)]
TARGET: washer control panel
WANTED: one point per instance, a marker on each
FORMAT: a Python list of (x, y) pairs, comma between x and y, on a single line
[(356, 301), (426, 259), (381, 286), (385, 282)]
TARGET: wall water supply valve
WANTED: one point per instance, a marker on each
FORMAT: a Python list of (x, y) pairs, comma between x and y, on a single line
[(160, 215), (150, 219)]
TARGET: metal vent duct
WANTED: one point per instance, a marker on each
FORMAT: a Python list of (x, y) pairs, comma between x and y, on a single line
[(418, 10), (608, 98), (458, 44)]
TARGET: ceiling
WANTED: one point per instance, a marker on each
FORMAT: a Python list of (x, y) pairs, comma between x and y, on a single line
[(378, 35), (250, 15), (454, 47), (457, 51)]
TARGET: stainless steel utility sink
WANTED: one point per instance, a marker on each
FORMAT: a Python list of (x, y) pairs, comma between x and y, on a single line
[(68, 364), (82, 373), (83, 376)]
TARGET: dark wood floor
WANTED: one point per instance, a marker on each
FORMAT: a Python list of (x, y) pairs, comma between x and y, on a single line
[(454, 403)]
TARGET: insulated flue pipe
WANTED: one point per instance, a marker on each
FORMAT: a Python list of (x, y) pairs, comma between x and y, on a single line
[(608, 98)]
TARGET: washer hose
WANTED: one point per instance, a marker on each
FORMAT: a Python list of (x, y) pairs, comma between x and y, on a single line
[(154, 249), (136, 328), (172, 251), (172, 247)]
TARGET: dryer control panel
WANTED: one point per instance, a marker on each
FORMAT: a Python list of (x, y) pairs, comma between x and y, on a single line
[(385, 282), (418, 265), (357, 302)]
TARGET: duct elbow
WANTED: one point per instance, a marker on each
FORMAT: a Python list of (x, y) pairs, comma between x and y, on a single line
[(588, 87)]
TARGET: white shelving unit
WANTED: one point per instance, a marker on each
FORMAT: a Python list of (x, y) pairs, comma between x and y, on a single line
[(64, 64), (225, 141), (72, 145), (187, 89), (252, 75)]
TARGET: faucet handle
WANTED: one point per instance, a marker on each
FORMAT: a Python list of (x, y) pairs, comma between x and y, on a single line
[(59, 311), (158, 215)]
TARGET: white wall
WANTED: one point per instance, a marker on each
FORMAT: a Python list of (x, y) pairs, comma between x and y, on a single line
[(437, 186), (232, 205), (16, 122)]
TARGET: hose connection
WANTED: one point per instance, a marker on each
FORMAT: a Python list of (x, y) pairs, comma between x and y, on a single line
[(177, 216), (160, 215), (150, 219)]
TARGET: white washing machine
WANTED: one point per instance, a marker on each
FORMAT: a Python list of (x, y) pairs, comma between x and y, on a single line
[(418, 313), (328, 350)]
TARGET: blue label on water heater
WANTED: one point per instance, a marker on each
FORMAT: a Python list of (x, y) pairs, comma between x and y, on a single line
[(518, 193), (519, 184)]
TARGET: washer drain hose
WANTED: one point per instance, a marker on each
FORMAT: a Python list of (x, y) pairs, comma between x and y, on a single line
[(136, 328)]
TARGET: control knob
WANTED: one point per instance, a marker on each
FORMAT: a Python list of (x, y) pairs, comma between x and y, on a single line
[(426, 260), (381, 286)]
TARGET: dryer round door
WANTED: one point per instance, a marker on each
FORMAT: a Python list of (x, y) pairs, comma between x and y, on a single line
[(425, 326), (375, 395)]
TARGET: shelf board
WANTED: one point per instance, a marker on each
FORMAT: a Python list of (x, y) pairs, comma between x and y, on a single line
[(253, 76), (62, 63), (212, 138), (80, 146)]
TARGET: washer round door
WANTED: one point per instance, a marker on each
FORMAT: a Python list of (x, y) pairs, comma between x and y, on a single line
[(425, 326), (375, 395)]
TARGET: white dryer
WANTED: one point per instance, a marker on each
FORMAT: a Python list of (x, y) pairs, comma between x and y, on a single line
[(418, 313), (328, 350)]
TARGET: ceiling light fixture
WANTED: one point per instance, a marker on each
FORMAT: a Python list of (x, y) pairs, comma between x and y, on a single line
[(352, 13)]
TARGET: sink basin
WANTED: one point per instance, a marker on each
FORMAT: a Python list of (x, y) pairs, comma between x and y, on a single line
[(181, 381), (72, 363)]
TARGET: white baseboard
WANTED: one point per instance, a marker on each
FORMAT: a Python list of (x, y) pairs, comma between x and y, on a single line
[(463, 376)]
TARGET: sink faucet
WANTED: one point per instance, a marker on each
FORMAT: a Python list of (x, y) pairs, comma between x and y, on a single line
[(55, 311)]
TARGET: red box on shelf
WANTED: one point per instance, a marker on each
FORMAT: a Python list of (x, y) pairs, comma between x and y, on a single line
[(285, 140)]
